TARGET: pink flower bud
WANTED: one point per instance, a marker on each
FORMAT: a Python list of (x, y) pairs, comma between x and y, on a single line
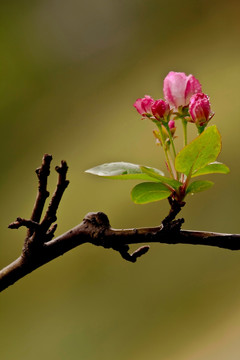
[(171, 124), (178, 88), (144, 105), (160, 109), (199, 109), (172, 127)]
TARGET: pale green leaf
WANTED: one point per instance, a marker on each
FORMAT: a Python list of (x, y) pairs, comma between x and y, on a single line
[(163, 179), (200, 152), (212, 168), (149, 192), (121, 171), (198, 186)]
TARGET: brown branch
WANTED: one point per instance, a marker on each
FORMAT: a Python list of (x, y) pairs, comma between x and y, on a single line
[(40, 247), (29, 224), (175, 208), (42, 174), (51, 212), (95, 229)]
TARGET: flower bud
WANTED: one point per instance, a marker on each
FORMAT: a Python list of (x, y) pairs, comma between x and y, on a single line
[(144, 105), (160, 109), (171, 124), (199, 109), (178, 88)]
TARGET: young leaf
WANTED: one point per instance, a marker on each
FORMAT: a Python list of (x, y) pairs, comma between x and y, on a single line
[(198, 186), (212, 168), (149, 192), (163, 179), (200, 152), (121, 171)]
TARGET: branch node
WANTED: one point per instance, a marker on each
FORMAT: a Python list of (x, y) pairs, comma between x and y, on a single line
[(98, 219), (175, 209), (174, 226), (50, 234)]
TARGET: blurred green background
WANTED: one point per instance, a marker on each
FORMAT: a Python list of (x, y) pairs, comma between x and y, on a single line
[(70, 72)]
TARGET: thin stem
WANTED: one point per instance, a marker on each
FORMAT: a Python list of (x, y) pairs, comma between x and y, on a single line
[(165, 149), (184, 123), (176, 175), (171, 140)]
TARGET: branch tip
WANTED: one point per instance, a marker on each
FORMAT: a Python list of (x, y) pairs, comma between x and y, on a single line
[(44, 169), (140, 251), (47, 158), (23, 222), (123, 250), (63, 168)]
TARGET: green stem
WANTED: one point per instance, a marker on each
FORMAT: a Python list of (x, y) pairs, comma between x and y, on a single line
[(184, 123), (165, 149), (175, 174), (200, 129), (171, 139)]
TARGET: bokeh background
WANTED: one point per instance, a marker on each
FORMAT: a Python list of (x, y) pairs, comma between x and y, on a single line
[(69, 74)]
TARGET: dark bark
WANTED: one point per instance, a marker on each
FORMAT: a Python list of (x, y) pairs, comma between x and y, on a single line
[(40, 247)]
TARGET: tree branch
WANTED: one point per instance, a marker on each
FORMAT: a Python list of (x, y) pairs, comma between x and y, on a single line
[(42, 173), (40, 247)]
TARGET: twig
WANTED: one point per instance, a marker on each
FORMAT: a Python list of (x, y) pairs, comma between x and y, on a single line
[(51, 212), (42, 174), (174, 210), (40, 233), (29, 224)]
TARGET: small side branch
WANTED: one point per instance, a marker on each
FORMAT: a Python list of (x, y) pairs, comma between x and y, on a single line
[(42, 173), (38, 232), (176, 207), (29, 224), (62, 184)]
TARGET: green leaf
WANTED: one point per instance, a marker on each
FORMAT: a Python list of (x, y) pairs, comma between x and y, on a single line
[(212, 168), (163, 179), (149, 192), (200, 152), (198, 186), (121, 171)]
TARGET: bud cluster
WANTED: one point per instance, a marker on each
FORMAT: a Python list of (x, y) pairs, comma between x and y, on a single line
[(184, 103), (183, 98)]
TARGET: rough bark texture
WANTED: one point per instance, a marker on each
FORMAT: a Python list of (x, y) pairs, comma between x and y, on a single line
[(40, 247)]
